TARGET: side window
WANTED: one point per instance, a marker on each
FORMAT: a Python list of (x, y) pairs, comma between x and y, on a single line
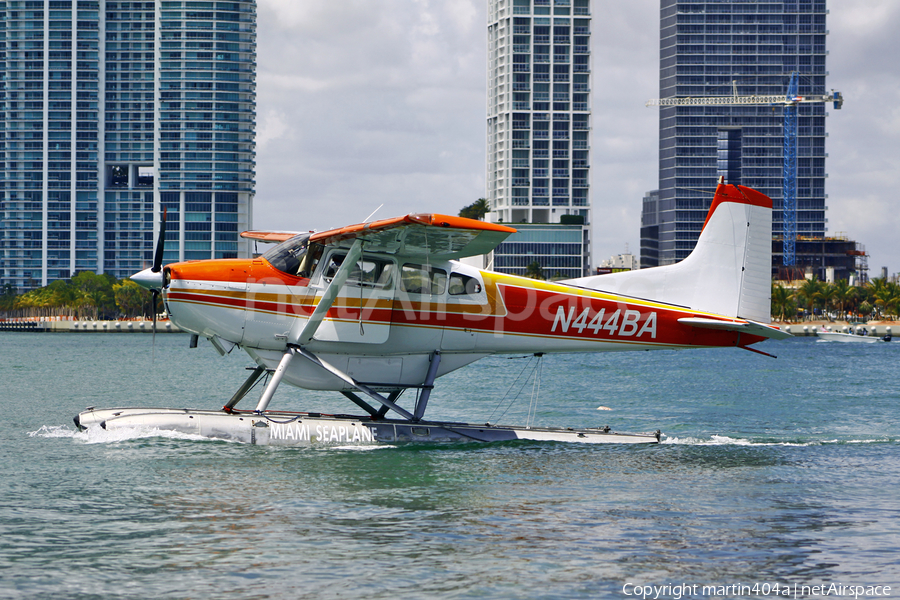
[(463, 285), (309, 262), (368, 272), (417, 279)]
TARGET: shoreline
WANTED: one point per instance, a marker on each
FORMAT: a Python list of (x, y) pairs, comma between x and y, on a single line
[(60, 325)]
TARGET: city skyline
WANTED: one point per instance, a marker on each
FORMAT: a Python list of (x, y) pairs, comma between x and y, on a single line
[(388, 107), (389, 110), (113, 111)]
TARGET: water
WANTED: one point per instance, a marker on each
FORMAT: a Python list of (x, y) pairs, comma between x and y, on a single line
[(772, 471)]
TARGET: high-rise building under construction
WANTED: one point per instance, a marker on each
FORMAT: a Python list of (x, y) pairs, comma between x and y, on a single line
[(735, 48)]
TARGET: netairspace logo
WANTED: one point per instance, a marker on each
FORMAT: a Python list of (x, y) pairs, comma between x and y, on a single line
[(687, 590)]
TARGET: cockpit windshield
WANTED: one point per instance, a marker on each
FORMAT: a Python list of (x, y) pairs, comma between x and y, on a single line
[(297, 256)]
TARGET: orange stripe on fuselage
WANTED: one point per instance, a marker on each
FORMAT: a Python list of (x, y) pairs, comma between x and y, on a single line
[(235, 270)]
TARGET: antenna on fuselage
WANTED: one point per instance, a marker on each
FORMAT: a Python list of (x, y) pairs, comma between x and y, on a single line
[(373, 212)]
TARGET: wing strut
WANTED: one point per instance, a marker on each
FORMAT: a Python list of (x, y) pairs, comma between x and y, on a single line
[(309, 329)]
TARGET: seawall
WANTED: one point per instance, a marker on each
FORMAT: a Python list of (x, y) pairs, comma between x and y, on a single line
[(62, 326), (809, 328)]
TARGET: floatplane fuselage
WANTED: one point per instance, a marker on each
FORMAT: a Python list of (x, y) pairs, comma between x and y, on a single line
[(375, 309)]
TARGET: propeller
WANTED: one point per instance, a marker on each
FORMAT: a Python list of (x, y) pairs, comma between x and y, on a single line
[(160, 242), (157, 267)]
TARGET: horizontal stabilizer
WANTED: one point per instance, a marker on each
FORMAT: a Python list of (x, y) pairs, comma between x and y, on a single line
[(750, 327)]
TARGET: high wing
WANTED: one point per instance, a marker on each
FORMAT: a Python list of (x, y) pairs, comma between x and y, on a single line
[(269, 236), (437, 237)]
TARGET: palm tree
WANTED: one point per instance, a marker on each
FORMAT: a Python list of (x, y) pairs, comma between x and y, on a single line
[(130, 297), (534, 270), (888, 298), (843, 293), (8, 297), (865, 309), (876, 288), (782, 300), (809, 292), (476, 210), (878, 284), (826, 295)]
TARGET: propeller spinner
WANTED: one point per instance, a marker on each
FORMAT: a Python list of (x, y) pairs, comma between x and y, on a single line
[(152, 278)]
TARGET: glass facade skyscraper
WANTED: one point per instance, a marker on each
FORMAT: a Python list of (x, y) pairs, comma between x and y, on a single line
[(112, 111), (736, 47), (538, 132)]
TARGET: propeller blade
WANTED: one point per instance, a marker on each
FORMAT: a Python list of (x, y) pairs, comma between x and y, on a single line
[(154, 293), (160, 242)]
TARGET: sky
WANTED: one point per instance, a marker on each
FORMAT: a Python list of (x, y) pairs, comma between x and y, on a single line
[(363, 104)]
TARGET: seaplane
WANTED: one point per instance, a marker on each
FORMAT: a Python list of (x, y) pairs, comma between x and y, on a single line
[(380, 309)]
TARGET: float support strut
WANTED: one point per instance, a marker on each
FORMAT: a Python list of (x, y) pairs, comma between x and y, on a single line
[(352, 382), (276, 379), (360, 403), (242, 391), (384, 408), (429, 385)]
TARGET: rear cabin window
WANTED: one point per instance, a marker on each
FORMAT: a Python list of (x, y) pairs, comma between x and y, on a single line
[(419, 279), (463, 285), (368, 272)]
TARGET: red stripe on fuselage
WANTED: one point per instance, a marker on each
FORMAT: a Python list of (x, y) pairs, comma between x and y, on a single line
[(526, 311)]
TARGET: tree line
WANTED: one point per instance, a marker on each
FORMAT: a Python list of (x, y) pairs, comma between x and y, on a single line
[(86, 295), (880, 299)]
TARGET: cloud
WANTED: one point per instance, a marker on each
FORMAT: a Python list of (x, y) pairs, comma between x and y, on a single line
[(864, 163), (366, 103), (362, 103)]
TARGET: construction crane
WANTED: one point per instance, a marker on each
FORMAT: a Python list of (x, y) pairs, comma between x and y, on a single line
[(790, 101)]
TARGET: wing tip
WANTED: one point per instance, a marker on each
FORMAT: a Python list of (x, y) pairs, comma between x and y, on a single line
[(269, 236)]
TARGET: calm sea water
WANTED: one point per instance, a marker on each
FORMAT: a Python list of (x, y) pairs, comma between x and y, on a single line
[(779, 471)]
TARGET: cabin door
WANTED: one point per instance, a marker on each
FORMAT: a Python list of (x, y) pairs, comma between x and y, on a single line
[(361, 313)]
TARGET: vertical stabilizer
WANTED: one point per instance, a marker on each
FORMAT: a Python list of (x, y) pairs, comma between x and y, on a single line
[(729, 271)]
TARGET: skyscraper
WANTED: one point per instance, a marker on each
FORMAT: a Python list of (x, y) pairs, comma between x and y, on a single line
[(725, 48), (113, 111), (538, 133)]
